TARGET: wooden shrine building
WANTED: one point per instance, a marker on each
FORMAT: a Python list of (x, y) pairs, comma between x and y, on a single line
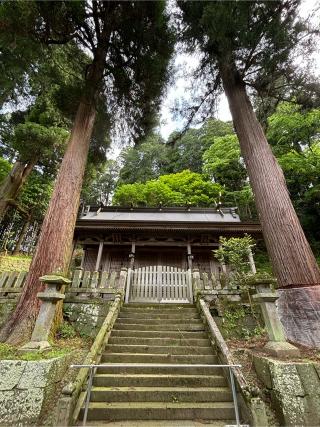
[(182, 237)]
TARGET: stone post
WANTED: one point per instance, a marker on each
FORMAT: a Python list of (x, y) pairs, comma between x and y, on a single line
[(251, 262), (277, 345), (196, 282), (49, 298), (123, 279)]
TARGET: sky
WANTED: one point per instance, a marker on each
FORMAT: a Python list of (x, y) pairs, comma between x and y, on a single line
[(182, 84)]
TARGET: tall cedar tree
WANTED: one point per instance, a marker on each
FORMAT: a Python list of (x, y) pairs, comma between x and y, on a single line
[(131, 46), (249, 44)]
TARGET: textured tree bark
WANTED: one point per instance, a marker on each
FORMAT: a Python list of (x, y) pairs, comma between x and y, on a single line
[(291, 256), (55, 242), (292, 260), (22, 235), (13, 183), (54, 247)]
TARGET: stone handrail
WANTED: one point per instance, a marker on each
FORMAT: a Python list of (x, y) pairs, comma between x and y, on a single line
[(70, 403), (250, 402)]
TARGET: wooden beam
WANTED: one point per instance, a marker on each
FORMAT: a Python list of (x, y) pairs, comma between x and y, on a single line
[(99, 256)]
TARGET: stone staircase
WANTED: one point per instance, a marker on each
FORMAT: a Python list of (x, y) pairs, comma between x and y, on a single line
[(160, 334)]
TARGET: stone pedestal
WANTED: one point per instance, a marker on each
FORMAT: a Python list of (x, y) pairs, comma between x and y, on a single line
[(49, 298), (277, 345)]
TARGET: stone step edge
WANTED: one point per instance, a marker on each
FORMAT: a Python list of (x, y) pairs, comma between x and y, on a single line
[(164, 405), (159, 389), (173, 376)]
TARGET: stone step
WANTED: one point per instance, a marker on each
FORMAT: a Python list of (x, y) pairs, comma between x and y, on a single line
[(160, 327), (158, 334), (158, 311), (133, 320), (197, 342), (157, 370), (153, 349), (158, 358), (161, 394), (159, 423), (158, 377), (157, 306), (160, 411), (166, 314)]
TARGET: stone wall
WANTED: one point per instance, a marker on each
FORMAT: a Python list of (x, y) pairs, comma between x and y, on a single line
[(294, 389), (86, 316), (6, 308), (28, 387)]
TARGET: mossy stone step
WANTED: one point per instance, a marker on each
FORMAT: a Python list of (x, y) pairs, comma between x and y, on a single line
[(158, 378), (160, 315), (153, 349), (151, 321), (159, 327), (160, 394), (146, 306), (198, 342), (158, 334), (160, 411), (157, 358), (139, 369)]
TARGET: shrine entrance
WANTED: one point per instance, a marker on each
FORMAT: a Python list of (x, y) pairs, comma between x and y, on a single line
[(159, 284)]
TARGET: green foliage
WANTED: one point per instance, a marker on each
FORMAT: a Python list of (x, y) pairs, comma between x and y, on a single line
[(66, 331), (36, 195), (187, 151), (145, 161), (100, 184), (8, 352), (33, 140), (254, 41), (221, 161), (291, 128), (171, 190), (14, 263), (234, 252), (5, 168), (235, 322)]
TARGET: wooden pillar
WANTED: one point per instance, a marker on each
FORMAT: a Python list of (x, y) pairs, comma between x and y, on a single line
[(100, 250), (132, 254), (251, 262), (189, 255)]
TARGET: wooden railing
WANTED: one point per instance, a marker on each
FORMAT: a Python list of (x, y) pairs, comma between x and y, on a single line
[(152, 283), (11, 283), (91, 284)]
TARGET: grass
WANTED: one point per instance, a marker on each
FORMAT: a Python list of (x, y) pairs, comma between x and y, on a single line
[(60, 347), (9, 352), (14, 263)]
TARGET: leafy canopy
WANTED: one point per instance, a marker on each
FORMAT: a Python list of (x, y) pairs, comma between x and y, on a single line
[(130, 44), (221, 161), (178, 189), (256, 40)]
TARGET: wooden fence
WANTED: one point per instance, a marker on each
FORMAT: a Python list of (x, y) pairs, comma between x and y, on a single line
[(85, 284), (146, 284)]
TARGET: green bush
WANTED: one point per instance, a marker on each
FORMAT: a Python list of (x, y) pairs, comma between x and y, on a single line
[(66, 331)]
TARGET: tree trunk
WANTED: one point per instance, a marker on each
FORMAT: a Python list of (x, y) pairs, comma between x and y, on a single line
[(292, 259), (22, 235), (54, 247), (13, 183)]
